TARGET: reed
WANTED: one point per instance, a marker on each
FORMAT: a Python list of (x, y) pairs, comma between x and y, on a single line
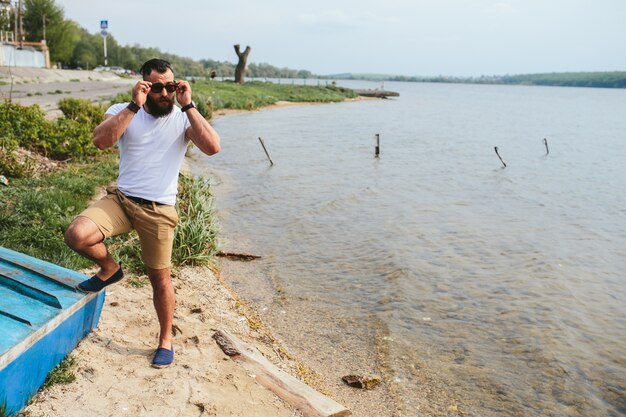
[(195, 241)]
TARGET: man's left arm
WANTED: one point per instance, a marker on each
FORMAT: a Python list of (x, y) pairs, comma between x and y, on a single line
[(200, 132)]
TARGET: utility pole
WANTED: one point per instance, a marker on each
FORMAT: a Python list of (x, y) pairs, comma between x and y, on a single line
[(19, 8), (15, 13), (104, 25), (105, 51), (44, 26)]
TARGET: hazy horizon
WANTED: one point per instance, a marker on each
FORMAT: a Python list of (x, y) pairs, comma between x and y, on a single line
[(461, 38)]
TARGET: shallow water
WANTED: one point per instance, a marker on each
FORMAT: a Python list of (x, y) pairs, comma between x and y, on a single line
[(502, 286)]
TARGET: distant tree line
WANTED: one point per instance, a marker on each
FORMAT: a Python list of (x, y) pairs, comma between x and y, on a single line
[(72, 46), (614, 79)]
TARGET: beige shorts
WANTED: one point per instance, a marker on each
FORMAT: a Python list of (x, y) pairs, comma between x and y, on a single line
[(155, 223)]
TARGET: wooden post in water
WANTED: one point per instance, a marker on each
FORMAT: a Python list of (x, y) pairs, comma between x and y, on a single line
[(545, 142), (268, 155), (377, 148), (496, 149)]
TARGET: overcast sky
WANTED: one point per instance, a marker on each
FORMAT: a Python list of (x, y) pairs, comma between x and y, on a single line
[(410, 37)]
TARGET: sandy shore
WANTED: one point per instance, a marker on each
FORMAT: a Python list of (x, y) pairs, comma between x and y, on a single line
[(113, 375)]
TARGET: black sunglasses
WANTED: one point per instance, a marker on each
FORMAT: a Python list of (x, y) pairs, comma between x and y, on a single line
[(158, 87)]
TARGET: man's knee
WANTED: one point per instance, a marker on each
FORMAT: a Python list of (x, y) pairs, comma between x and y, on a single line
[(81, 233), (159, 277)]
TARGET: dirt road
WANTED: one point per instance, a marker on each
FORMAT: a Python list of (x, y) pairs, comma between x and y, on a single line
[(29, 86)]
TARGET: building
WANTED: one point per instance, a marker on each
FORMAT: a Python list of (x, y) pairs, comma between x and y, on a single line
[(14, 51)]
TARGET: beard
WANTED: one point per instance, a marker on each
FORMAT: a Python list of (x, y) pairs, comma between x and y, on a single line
[(161, 107)]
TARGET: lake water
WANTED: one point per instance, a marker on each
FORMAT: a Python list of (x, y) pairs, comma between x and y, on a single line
[(434, 265)]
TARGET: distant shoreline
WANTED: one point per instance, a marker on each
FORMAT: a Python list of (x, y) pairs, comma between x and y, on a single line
[(613, 79)]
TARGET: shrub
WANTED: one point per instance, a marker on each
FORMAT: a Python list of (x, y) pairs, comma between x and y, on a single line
[(122, 98), (82, 111), (67, 137), (21, 125)]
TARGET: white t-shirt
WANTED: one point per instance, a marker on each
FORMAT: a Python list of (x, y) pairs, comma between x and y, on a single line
[(151, 153)]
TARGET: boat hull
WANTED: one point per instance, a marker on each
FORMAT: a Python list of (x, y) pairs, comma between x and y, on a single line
[(42, 319)]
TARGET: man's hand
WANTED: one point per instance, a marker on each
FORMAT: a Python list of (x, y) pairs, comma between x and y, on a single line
[(140, 92), (183, 93)]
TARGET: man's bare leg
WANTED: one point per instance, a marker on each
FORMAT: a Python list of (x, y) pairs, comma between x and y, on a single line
[(84, 237), (164, 301)]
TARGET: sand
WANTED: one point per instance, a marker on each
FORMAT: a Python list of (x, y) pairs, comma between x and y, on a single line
[(113, 373)]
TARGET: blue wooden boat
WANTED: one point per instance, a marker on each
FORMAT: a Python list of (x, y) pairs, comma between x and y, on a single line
[(42, 319)]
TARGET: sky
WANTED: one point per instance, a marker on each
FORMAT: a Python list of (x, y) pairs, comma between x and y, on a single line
[(407, 37)]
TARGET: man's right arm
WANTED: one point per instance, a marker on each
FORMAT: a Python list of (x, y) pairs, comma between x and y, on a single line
[(107, 133)]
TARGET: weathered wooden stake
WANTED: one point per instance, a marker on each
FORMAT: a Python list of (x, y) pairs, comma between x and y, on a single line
[(268, 155), (496, 149), (545, 142), (377, 149)]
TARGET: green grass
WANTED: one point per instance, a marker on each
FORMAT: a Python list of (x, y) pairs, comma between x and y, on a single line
[(62, 374), (253, 95), (34, 213), (137, 282)]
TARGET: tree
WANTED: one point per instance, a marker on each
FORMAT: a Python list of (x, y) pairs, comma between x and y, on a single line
[(61, 35), (84, 55), (241, 65), (34, 14), (6, 17)]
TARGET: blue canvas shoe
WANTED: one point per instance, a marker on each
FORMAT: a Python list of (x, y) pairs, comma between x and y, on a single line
[(95, 284), (163, 358)]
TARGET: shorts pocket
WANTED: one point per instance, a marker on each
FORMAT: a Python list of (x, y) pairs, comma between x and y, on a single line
[(167, 222), (165, 232), (168, 212)]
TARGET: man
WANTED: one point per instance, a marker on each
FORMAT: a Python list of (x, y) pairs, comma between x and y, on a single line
[(152, 135)]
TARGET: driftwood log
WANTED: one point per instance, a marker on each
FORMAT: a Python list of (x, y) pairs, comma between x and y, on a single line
[(237, 256), (302, 397)]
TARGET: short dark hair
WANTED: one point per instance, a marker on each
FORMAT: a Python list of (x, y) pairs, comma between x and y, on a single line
[(155, 64)]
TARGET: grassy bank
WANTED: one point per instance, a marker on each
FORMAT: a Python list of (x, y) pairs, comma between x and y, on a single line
[(249, 96), (215, 95)]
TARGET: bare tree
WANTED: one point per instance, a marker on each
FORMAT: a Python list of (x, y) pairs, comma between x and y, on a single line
[(241, 65)]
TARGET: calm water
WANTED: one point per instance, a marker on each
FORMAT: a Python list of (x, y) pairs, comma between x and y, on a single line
[(503, 287)]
